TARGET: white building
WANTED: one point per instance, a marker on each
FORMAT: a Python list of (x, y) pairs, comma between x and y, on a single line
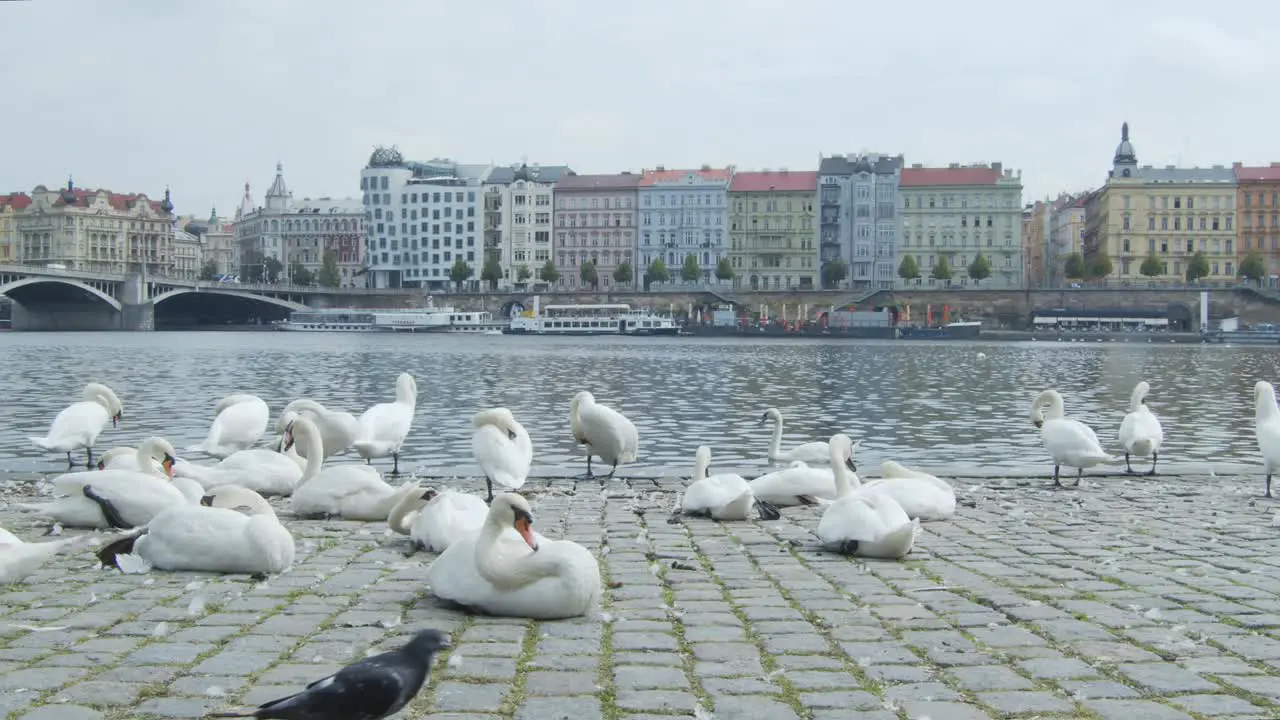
[(299, 233), (517, 218), (422, 218), (682, 213), (187, 254)]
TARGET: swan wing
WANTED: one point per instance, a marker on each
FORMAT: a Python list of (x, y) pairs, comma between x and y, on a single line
[(335, 487), (500, 458), (75, 426), (1268, 433), (796, 485), (609, 433)]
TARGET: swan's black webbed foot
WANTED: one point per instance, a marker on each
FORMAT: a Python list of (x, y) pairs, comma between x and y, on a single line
[(258, 577), (1155, 458), (848, 547), (767, 510)]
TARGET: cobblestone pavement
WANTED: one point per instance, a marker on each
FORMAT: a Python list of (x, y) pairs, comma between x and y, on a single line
[(1125, 600)]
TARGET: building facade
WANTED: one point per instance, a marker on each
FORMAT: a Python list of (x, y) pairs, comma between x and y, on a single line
[(859, 221), (773, 243), (1168, 212), (596, 219), (10, 206), (217, 243), (1035, 242), (187, 253), (297, 234), (683, 213), (1258, 206), (423, 217), (96, 230), (1066, 236), (960, 212), (518, 212)]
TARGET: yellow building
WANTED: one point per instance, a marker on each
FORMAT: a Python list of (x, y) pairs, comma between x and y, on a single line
[(10, 206), (773, 242), (1168, 212)]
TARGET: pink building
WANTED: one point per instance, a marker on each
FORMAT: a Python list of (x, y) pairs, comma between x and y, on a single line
[(595, 220)]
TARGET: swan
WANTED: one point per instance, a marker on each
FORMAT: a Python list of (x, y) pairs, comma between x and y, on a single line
[(1140, 431), (1267, 426), (867, 524), (722, 497), (337, 428), (239, 422), (119, 498), (1069, 442), (921, 495), (261, 470), (79, 424), (606, 432), (19, 560), (381, 429), (796, 484), (810, 452), (507, 569), (501, 448), (121, 458), (435, 520), (231, 530), (352, 492)]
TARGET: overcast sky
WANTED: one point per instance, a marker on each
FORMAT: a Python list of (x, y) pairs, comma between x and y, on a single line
[(202, 95)]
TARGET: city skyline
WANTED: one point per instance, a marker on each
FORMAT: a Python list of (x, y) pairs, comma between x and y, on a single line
[(1035, 88)]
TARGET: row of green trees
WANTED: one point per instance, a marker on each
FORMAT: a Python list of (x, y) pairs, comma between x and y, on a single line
[(979, 269), (1078, 267), (271, 270)]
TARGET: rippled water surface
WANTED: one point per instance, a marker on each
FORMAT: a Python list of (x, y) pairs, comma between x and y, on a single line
[(936, 404)]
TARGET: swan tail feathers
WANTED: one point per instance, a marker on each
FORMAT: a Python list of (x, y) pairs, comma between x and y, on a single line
[(807, 500), (767, 510), (110, 554), (1142, 446), (40, 442)]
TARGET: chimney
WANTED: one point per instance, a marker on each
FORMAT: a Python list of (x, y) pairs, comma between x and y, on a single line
[(998, 167), (705, 167), (660, 168), (954, 166)]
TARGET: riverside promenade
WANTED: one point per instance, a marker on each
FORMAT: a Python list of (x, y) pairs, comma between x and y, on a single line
[(1129, 599)]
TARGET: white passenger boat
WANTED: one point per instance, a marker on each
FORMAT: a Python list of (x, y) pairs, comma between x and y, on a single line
[(413, 320), (602, 319)]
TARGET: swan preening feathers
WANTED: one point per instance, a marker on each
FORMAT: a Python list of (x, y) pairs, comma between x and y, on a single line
[(607, 433), (1140, 431), (1069, 442), (78, 425)]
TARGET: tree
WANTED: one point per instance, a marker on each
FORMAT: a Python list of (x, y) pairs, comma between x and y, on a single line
[(979, 269), (329, 275), (549, 274), (724, 271), (624, 273), (834, 271), (1074, 267), (251, 272), (299, 274), (1198, 267), (209, 269), (1151, 266), (587, 271), (491, 272), (908, 269), (523, 273), (941, 269), (690, 271), (1100, 267), (1253, 267), (657, 272), (273, 269), (460, 272)]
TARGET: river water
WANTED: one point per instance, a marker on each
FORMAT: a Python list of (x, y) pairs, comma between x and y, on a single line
[(939, 405)]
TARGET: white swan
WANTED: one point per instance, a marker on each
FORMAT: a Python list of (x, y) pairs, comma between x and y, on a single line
[(1069, 442), (337, 428), (19, 560), (796, 484), (79, 424), (231, 530), (381, 429), (921, 495), (810, 452), (726, 496), (1266, 425), (435, 520), (119, 498), (501, 448), (1140, 431), (121, 457), (506, 569), (239, 421), (261, 470), (606, 432), (867, 524), (352, 492)]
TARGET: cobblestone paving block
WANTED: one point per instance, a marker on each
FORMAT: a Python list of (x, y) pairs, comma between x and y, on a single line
[(1133, 599)]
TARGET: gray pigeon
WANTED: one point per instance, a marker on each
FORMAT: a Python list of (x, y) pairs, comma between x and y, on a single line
[(374, 688)]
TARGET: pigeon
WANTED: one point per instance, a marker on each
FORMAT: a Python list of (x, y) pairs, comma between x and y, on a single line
[(372, 689)]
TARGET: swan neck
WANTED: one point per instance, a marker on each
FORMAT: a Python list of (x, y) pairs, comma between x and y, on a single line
[(315, 456), (776, 444), (502, 568), (1135, 400), (700, 464), (403, 511), (1266, 406)]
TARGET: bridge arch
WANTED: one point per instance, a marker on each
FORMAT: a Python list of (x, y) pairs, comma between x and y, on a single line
[(287, 304), (24, 282)]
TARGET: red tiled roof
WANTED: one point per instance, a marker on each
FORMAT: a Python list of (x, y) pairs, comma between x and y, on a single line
[(1269, 173), (653, 177), (19, 201), (780, 181), (924, 177), (619, 181)]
